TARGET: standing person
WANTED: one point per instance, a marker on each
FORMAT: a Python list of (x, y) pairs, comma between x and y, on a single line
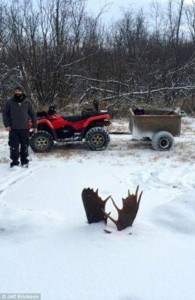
[(16, 114)]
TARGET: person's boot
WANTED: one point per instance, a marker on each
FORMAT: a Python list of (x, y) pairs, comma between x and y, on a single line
[(14, 164), (24, 163)]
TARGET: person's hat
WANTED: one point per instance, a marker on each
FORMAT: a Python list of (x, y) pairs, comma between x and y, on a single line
[(19, 88)]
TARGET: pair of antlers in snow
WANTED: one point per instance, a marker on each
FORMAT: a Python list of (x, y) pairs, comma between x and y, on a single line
[(95, 208)]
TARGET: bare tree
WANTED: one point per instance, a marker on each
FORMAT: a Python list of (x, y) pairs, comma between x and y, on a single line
[(60, 53)]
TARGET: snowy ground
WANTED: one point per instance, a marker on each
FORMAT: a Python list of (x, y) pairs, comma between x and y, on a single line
[(47, 247)]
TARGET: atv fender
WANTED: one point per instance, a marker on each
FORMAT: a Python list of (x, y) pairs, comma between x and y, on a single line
[(47, 124), (97, 118), (45, 121)]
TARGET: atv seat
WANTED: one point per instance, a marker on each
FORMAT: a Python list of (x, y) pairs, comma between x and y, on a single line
[(85, 114), (73, 118), (88, 113), (41, 114)]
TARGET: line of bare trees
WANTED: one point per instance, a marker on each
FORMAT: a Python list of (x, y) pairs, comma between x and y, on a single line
[(59, 53)]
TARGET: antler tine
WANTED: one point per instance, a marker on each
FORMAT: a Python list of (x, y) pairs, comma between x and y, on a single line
[(109, 217), (118, 209), (136, 192), (107, 199), (140, 197)]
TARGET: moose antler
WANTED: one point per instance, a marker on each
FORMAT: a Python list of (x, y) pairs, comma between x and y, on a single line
[(127, 214), (94, 205)]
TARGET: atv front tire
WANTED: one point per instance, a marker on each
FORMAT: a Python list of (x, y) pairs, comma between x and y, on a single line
[(97, 139), (42, 141)]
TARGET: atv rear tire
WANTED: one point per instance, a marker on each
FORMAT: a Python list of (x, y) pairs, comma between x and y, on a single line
[(162, 141), (42, 141), (97, 139)]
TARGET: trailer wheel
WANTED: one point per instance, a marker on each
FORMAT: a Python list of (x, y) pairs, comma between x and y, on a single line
[(162, 141)]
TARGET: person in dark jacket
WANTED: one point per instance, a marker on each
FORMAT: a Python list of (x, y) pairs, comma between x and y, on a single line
[(16, 114)]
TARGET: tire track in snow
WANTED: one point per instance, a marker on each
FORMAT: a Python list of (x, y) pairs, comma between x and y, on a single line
[(11, 180), (20, 174), (28, 222), (161, 179)]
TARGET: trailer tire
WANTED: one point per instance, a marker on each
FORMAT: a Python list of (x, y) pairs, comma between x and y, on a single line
[(162, 141)]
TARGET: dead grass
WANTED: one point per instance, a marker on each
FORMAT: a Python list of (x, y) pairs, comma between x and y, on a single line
[(181, 157), (121, 125), (123, 147), (188, 130), (186, 122), (154, 158), (184, 151), (187, 126), (65, 151), (185, 145), (133, 144), (4, 160), (181, 146), (58, 154)]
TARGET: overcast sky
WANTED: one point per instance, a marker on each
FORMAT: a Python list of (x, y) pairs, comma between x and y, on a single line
[(115, 7)]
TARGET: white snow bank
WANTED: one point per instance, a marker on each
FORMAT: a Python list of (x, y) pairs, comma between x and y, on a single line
[(47, 247)]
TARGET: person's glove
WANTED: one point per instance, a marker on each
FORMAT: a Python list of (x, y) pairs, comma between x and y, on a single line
[(34, 130)]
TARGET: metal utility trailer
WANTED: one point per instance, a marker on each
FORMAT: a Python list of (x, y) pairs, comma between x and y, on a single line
[(159, 126)]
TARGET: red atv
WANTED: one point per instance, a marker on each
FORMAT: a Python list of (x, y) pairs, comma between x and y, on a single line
[(88, 127)]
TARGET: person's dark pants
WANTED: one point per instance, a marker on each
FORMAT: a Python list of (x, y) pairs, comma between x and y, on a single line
[(19, 142)]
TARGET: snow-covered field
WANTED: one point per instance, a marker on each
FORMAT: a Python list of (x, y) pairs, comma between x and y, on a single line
[(47, 246)]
